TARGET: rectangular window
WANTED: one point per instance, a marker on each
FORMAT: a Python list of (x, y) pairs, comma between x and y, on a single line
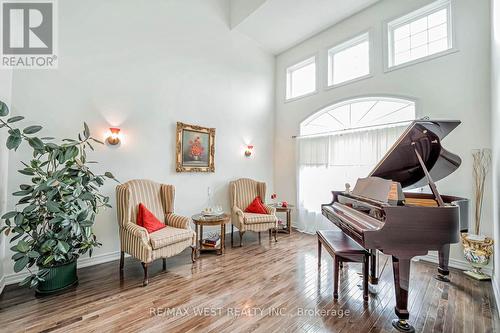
[(422, 33), (349, 60), (301, 78)]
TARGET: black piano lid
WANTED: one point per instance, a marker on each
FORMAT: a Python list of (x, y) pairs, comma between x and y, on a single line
[(401, 164)]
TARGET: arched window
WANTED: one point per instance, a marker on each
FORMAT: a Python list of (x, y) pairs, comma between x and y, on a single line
[(341, 143), (359, 113)]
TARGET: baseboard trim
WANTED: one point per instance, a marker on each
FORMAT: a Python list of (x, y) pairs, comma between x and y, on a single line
[(496, 293), (2, 283), (99, 259), (83, 262), (454, 263)]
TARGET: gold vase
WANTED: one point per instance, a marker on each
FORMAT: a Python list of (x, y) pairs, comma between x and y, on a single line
[(477, 253)]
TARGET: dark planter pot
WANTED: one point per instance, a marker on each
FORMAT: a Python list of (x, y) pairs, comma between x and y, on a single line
[(59, 278)]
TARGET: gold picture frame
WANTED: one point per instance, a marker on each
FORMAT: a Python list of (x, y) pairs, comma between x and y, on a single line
[(195, 148)]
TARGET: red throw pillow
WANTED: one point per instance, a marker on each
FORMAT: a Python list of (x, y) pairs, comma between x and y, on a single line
[(256, 207), (147, 220)]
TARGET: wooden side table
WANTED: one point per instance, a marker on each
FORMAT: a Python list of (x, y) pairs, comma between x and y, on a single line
[(288, 211), (200, 221)]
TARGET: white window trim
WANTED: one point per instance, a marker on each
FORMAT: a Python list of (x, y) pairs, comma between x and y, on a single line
[(352, 99), (304, 62), (390, 25), (353, 41)]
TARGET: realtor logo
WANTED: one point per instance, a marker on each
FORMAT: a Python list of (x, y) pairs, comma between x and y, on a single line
[(28, 34)]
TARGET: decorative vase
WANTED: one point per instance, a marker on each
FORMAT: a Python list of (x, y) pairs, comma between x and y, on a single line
[(477, 251), (59, 278)]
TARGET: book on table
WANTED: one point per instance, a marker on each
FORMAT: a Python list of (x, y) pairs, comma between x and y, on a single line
[(213, 246), (213, 241)]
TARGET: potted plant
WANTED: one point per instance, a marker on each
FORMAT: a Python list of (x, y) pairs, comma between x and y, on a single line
[(478, 248), (53, 219)]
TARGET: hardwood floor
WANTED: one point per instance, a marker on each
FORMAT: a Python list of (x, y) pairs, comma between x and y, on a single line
[(256, 288)]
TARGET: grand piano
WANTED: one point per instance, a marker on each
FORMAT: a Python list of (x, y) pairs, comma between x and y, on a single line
[(380, 216)]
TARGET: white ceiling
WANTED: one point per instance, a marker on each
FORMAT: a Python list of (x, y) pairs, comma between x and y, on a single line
[(278, 25)]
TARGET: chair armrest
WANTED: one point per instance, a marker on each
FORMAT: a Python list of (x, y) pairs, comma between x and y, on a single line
[(135, 241), (177, 221), (237, 211), (138, 231), (270, 210)]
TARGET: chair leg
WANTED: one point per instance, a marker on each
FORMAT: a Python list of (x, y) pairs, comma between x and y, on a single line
[(319, 253), (259, 238), (146, 280), (275, 235), (336, 262), (241, 238), (164, 264), (122, 260), (193, 253), (365, 277), (232, 230), (270, 234)]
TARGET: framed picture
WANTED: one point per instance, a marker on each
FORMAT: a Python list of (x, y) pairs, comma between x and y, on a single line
[(195, 148)]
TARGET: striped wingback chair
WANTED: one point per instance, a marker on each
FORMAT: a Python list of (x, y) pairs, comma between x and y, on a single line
[(135, 240), (242, 192)]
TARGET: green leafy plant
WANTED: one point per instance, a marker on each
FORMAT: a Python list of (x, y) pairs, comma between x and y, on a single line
[(53, 219)]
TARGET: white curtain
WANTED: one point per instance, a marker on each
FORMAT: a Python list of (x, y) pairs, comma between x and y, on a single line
[(329, 162)]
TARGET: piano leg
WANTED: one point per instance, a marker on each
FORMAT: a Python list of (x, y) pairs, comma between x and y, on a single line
[(373, 267), (401, 271), (444, 257)]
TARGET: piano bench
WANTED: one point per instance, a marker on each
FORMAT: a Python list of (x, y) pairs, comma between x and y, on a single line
[(343, 249)]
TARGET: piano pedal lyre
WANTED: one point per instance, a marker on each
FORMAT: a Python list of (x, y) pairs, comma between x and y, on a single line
[(402, 325)]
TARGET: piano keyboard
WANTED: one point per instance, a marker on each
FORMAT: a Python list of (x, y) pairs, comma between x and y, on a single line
[(358, 220)]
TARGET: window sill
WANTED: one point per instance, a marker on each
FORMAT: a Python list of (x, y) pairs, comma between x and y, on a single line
[(293, 99), (361, 78), (420, 60)]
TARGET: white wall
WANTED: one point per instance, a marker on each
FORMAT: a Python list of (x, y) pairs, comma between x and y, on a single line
[(143, 66), (241, 9), (456, 86), (5, 96), (495, 99)]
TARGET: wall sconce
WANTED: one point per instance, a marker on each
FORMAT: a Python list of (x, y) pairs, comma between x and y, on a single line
[(249, 151), (114, 137)]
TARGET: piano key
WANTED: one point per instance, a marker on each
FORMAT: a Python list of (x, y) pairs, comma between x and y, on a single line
[(359, 220)]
